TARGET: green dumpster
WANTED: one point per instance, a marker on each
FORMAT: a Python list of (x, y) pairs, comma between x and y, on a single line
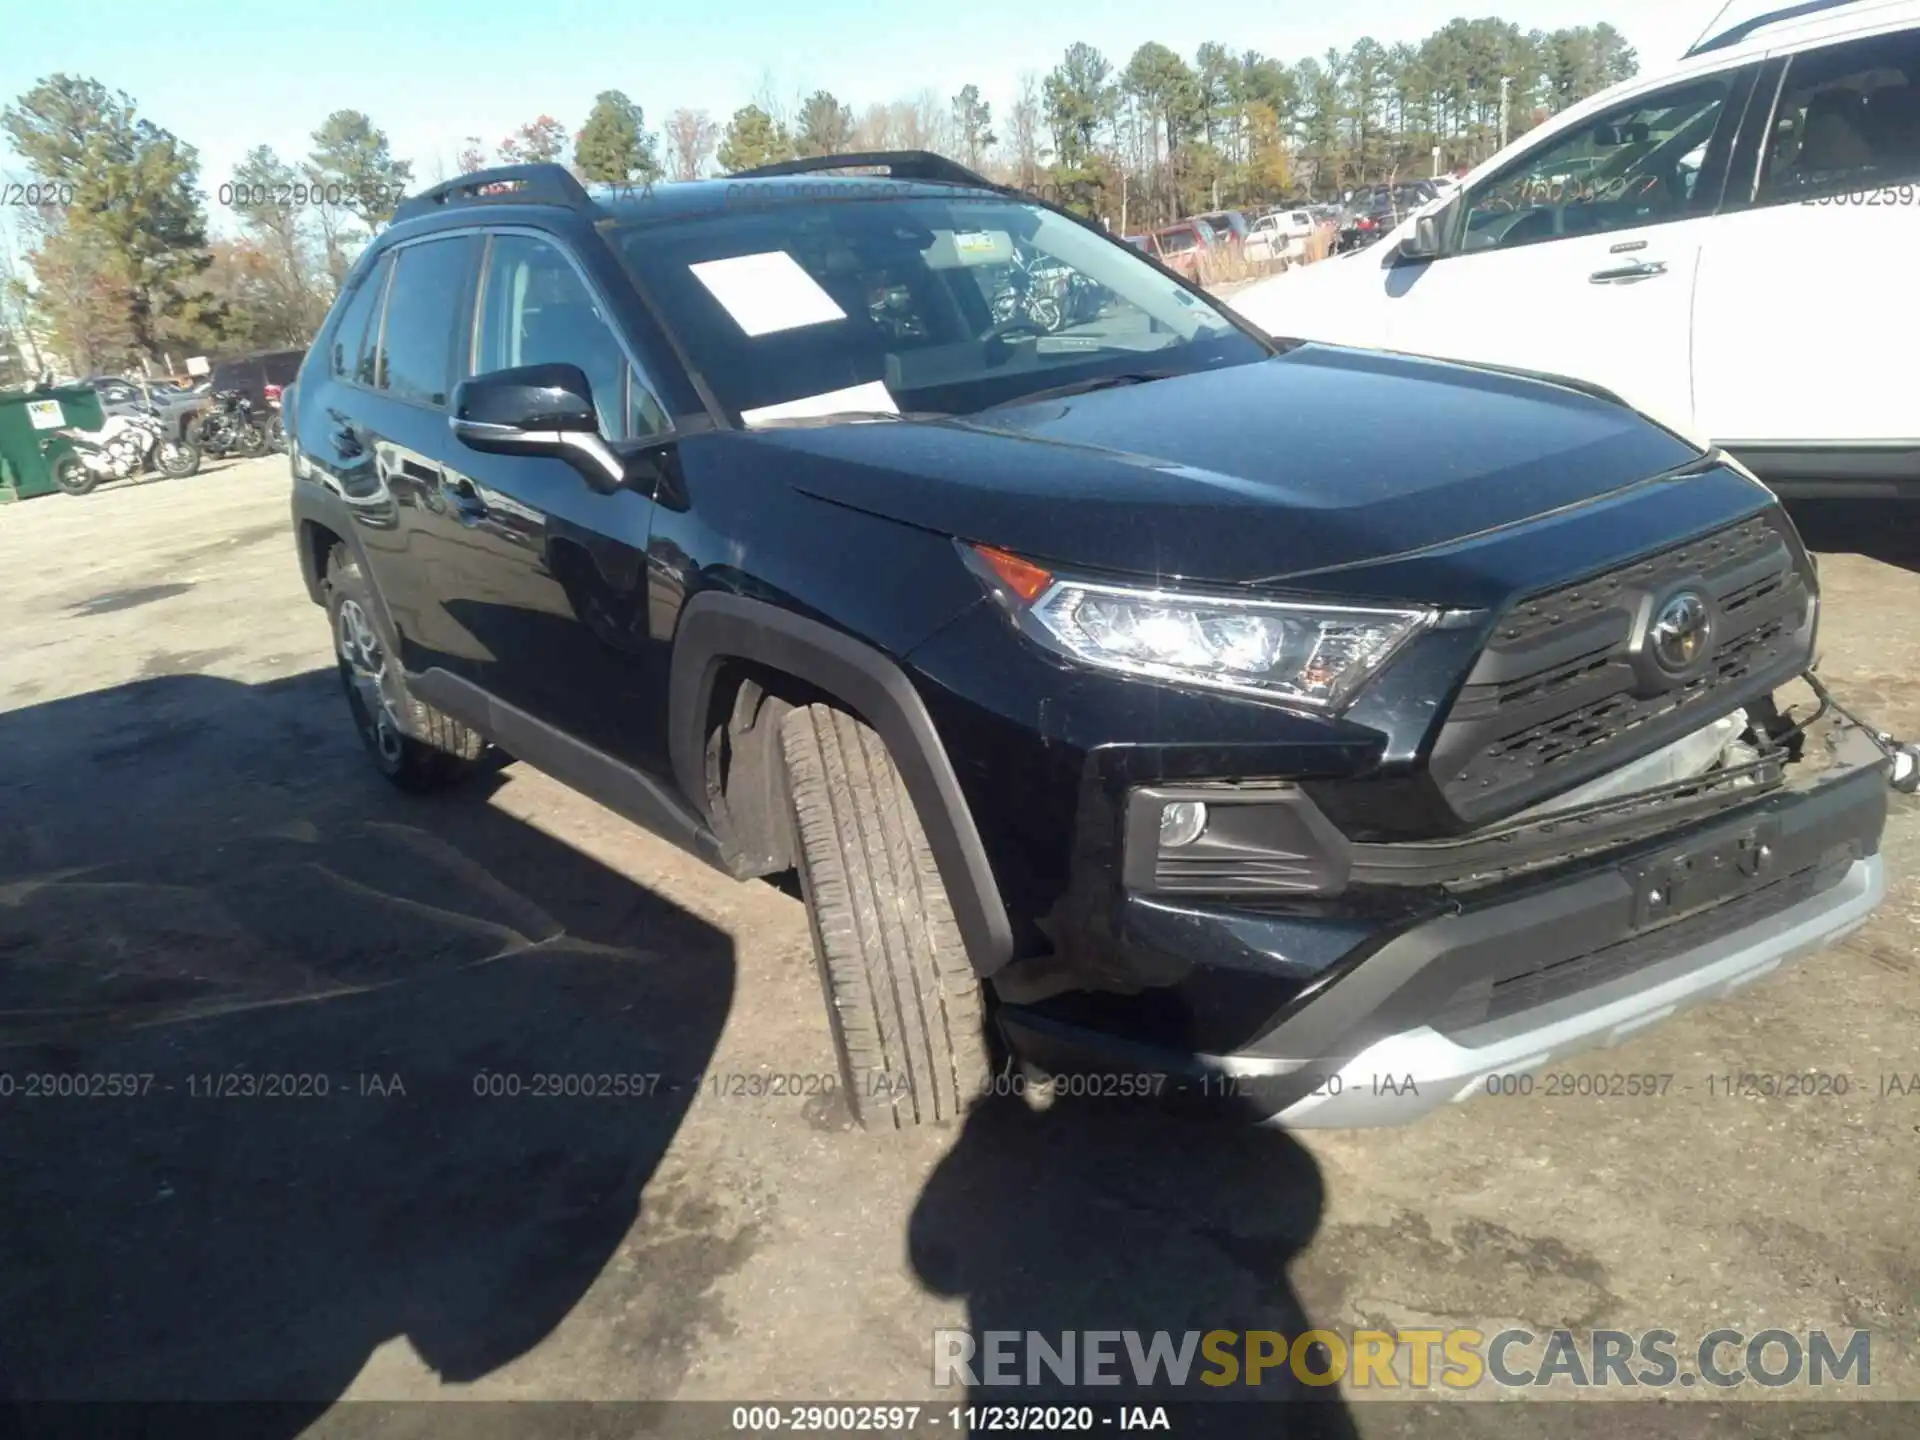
[(27, 424)]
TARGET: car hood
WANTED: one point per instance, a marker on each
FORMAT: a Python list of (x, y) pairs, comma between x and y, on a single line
[(1321, 457)]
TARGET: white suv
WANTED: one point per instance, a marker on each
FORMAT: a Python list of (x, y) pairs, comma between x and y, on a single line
[(1732, 246)]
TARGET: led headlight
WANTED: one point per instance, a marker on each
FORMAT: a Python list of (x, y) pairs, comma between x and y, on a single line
[(1304, 653)]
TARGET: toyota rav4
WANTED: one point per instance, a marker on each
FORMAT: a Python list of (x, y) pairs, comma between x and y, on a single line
[(1130, 698)]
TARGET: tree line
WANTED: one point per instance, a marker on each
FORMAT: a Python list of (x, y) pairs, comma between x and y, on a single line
[(121, 268)]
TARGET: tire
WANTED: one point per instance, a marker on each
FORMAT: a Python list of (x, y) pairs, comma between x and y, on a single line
[(177, 459), (251, 441), (430, 750), (903, 1001), (71, 474)]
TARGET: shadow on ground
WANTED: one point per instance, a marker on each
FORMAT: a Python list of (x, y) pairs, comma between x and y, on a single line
[(1115, 1215), (259, 1018)]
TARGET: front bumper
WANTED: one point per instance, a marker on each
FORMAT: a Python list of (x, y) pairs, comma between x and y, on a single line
[(1419, 1011)]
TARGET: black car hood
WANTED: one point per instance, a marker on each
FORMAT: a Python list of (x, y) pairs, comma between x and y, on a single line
[(1318, 458)]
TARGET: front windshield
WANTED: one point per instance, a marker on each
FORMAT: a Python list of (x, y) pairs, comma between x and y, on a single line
[(915, 304)]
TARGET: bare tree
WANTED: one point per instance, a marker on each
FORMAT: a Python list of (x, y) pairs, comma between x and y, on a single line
[(691, 137), (1024, 130)]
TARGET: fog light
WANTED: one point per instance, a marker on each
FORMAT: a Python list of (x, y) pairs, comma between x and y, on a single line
[(1182, 823)]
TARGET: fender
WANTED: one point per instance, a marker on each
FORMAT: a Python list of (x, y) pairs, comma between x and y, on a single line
[(716, 626), (314, 504)]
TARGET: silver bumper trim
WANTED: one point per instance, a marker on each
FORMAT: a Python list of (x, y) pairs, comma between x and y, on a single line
[(1373, 1089)]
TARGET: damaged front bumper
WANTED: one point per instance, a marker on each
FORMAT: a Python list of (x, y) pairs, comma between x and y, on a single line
[(1436, 968)]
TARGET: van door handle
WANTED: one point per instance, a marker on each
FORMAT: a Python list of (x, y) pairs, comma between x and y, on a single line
[(1623, 274)]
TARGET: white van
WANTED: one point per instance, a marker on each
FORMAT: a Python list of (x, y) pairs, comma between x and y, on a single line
[(1732, 245)]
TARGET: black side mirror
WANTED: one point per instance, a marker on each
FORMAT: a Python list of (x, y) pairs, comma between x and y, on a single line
[(537, 410), (1424, 242)]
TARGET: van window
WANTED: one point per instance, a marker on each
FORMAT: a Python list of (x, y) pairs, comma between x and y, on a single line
[(1631, 166), (1848, 125)]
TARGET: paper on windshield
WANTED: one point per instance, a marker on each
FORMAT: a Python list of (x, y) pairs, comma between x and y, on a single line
[(767, 292), (872, 396)]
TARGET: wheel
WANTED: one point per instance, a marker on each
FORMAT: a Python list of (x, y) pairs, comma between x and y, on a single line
[(251, 441), (177, 459), (902, 1000), (1045, 313), (276, 434), (431, 750), (71, 474)]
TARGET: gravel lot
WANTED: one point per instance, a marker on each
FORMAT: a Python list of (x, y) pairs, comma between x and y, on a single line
[(200, 876)]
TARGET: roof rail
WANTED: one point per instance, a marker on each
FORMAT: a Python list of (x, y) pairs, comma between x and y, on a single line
[(542, 184), (1746, 28), (921, 165)]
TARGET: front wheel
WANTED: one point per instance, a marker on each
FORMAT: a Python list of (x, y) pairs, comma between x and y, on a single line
[(903, 1002), (177, 459), (71, 474), (252, 441)]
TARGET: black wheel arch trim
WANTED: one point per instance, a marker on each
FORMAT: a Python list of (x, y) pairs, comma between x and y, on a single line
[(718, 627)]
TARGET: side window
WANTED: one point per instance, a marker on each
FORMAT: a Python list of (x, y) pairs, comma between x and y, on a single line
[(536, 310), (350, 348), (1639, 164), (1848, 121), (424, 306)]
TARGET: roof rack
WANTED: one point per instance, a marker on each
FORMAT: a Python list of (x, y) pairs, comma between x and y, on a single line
[(542, 184), (1737, 33), (921, 165)]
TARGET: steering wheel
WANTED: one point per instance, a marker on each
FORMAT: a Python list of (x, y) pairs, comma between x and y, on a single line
[(1014, 326)]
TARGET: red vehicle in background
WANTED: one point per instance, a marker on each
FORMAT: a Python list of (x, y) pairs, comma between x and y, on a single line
[(1186, 248)]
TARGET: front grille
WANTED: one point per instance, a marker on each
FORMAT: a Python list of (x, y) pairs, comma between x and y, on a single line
[(1555, 697)]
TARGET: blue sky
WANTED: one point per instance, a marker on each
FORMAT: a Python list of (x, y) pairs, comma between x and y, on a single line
[(225, 75)]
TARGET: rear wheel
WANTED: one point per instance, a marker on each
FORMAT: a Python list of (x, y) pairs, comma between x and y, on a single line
[(902, 999), (415, 746), (251, 441), (177, 459)]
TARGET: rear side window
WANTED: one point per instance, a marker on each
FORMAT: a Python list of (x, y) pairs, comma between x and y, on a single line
[(425, 304), (1848, 125), (350, 357)]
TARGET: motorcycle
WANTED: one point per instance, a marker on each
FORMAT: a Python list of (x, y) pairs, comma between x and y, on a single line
[(1076, 298), (1025, 295), (227, 427), (123, 446)]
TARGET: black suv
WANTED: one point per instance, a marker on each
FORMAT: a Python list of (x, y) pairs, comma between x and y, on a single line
[(1135, 700)]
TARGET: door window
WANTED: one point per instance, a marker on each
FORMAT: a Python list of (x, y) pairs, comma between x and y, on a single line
[(1638, 164), (424, 306), (352, 356), (536, 310), (1847, 128)]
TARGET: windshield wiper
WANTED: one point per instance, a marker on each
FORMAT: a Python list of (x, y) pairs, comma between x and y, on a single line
[(1081, 387)]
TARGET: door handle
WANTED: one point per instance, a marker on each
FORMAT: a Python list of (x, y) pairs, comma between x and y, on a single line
[(1622, 274), (464, 497)]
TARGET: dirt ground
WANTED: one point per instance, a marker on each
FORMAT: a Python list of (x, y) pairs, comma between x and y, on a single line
[(202, 878)]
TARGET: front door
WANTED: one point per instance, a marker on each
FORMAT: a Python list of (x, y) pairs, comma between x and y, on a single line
[(1579, 257), (550, 575)]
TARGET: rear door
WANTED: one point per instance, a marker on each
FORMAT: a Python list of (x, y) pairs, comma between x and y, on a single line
[(383, 422), (551, 577), (1809, 305), (1579, 256)]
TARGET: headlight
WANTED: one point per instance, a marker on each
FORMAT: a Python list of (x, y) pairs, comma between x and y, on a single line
[(1304, 653)]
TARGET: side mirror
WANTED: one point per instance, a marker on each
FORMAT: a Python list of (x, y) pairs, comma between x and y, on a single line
[(1424, 242), (537, 410)]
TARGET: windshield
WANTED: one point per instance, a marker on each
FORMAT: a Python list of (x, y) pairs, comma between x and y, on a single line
[(915, 304)]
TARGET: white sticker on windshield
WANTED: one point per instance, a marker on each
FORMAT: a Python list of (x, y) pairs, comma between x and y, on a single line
[(767, 292), (872, 397)]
